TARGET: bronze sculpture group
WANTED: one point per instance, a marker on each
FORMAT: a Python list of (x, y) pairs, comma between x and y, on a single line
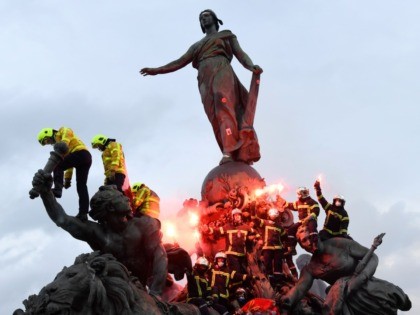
[(130, 253)]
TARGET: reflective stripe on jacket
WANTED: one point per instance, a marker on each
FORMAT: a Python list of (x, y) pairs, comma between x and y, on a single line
[(220, 279), (74, 143), (274, 233), (113, 159), (337, 220), (67, 136), (305, 208), (235, 237), (197, 286), (146, 201)]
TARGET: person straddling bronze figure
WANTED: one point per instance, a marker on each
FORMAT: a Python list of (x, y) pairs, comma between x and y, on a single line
[(228, 105), (349, 267), (135, 242), (337, 221)]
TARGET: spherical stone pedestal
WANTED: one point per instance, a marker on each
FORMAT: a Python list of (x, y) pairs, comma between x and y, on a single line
[(223, 178), (233, 178)]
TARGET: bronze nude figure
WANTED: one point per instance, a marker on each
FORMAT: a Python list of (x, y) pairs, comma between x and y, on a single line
[(349, 267), (228, 105), (135, 242)]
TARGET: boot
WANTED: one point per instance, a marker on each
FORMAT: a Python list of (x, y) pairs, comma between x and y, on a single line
[(57, 192)]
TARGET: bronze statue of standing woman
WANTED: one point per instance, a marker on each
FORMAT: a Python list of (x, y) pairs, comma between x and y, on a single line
[(228, 105)]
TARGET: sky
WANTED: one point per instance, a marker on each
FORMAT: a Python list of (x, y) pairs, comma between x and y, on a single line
[(339, 97)]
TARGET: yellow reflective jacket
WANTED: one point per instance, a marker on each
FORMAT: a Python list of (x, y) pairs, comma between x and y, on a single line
[(113, 159), (66, 135), (146, 201)]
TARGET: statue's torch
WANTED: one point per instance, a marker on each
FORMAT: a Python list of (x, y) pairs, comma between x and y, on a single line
[(56, 156), (362, 264)]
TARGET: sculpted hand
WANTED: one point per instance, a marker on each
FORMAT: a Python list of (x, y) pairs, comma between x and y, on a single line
[(42, 181), (257, 69), (148, 71)]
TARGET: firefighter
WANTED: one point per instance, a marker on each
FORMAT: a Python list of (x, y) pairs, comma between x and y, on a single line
[(113, 160), (337, 220), (291, 251), (199, 290), (145, 201), (198, 286), (78, 157), (308, 212), (236, 234), (221, 277), (273, 238)]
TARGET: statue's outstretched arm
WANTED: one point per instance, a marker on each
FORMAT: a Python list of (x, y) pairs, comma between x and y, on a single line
[(78, 229), (358, 252), (172, 66), (243, 57), (299, 290)]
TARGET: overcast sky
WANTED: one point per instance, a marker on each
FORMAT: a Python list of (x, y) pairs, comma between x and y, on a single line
[(339, 96)]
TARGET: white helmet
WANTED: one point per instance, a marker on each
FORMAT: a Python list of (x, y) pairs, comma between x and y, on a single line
[(341, 198), (202, 261), (236, 211), (302, 192), (273, 213), (220, 255)]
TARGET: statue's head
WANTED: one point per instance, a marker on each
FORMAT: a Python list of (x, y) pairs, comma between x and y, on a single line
[(203, 19), (95, 284), (109, 201), (304, 238)]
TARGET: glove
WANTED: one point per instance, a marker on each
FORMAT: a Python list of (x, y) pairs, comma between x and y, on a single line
[(317, 185), (67, 183)]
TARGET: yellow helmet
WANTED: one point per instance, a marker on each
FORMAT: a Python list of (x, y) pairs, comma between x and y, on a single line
[(99, 140), (44, 134), (136, 186)]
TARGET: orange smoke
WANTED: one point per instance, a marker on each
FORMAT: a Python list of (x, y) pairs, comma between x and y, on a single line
[(270, 190)]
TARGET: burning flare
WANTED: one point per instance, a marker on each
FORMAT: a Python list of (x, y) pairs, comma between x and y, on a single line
[(270, 190)]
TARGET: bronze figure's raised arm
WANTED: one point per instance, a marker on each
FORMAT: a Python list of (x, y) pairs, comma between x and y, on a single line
[(228, 105), (135, 242)]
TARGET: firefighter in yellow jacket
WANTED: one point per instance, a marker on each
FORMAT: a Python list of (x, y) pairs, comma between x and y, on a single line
[(78, 157), (145, 201), (113, 159)]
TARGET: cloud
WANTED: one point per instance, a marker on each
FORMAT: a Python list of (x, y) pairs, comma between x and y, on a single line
[(338, 96)]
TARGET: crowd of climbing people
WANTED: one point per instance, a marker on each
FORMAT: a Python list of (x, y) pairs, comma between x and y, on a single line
[(259, 239), (266, 230)]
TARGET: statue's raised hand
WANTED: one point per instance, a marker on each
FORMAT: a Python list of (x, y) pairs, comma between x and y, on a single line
[(42, 181), (148, 71), (257, 69)]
